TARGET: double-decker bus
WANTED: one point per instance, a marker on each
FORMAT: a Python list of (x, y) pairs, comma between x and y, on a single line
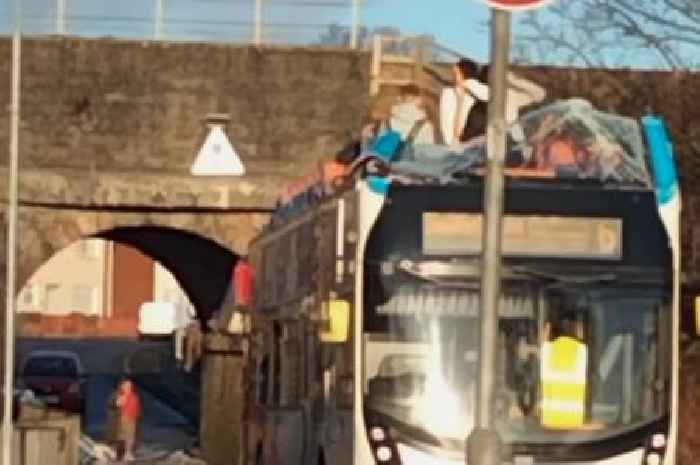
[(366, 315)]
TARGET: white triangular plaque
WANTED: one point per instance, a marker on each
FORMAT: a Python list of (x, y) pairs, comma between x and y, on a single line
[(217, 157)]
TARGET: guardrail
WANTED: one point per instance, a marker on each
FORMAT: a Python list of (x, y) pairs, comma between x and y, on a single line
[(334, 23), (410, 60)]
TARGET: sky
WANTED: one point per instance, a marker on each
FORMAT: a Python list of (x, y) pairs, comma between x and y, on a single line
[(460, 25), (456, 24)]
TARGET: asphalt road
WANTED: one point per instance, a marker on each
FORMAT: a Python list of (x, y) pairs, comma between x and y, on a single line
[(170, 397)]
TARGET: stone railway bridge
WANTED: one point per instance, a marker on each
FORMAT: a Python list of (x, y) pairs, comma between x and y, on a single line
[(109, 130)]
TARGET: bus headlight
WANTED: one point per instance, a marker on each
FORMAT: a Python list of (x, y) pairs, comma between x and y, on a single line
[(377, 434), (382, 444), (653, 459), (655, 450), (384, 453), (658, 441)]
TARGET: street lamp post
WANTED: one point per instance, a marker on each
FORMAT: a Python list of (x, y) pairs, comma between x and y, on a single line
[(257, 34), (355, 28), (159, 20), (12, 208), (60, 17)]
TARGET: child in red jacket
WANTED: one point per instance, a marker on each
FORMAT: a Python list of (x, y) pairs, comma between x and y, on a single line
[(130, 408)]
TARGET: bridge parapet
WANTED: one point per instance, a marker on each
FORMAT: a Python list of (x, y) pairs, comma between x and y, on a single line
[(116, 121)]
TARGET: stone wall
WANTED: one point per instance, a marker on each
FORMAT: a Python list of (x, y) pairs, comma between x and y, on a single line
[(110, 128), (45, 231), (120, 122), (222, 401)]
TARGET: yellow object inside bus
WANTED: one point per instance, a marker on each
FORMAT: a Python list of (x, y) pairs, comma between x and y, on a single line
[(337, 313), (563, 383)]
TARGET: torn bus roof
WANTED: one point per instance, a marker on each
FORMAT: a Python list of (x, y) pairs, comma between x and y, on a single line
[(568, 139)]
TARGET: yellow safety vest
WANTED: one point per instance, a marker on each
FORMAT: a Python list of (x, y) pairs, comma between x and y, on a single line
[(563, 375)]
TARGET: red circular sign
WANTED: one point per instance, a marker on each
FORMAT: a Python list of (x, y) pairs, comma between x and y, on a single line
[(516, 4)]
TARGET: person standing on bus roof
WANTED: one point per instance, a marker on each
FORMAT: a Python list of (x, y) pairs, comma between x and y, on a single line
[(464, 107), (563, 371), (456, 102)]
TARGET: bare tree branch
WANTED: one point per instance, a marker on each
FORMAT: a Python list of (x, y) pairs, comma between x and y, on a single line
[(649, 33), (624, 6)]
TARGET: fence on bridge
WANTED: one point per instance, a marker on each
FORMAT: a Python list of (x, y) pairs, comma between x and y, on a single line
[(410, 60), (289, 22)]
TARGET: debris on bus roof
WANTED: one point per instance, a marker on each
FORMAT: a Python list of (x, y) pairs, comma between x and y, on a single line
[(608, 147), (568, 139)]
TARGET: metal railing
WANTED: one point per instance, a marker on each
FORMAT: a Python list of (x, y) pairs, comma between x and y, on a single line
[(410, 60), (293, 22)]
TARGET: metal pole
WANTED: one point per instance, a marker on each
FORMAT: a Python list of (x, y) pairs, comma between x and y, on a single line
[(258, 22), (484, 444), (12, 207), (60, 16), (160, 13), (354, 33)]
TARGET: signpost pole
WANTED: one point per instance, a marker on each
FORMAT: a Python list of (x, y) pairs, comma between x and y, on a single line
[(257, 35), (355, 31), (484, 444), (61, 17), (160, 15)]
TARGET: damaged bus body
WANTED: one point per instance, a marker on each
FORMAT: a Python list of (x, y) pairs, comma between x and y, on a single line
[(366, 335)]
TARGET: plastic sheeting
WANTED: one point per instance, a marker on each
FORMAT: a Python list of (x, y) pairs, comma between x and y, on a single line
[(592, 143), (567, 139)]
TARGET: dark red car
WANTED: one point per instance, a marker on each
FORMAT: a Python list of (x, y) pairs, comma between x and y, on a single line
[(55, 377)]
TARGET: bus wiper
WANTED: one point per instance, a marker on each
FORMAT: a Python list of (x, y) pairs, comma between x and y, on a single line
[(405, 427), (561, 278), (442, 273)]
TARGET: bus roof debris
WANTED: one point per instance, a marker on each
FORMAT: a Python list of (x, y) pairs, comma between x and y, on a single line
[(568, 139)]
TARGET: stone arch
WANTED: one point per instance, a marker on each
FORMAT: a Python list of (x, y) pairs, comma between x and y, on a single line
[(43, 231), (202, 267)]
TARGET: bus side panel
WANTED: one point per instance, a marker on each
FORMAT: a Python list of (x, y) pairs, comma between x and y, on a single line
[(305, 416), (287, 436), (338, 440)]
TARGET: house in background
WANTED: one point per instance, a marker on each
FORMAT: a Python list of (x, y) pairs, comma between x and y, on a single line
[(94, 288)]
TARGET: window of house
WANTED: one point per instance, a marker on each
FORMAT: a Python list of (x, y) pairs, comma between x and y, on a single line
[(31, 297), (91, 249), (85, 300)]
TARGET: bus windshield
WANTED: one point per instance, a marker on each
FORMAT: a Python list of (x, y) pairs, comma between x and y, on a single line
[(421, 357)]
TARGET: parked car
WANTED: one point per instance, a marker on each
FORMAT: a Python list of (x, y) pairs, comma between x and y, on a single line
[(56, 377)]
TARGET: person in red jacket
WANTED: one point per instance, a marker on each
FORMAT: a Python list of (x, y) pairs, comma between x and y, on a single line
[(130, 409)]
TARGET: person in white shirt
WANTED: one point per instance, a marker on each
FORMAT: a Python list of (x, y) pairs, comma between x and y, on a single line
[(411, 116), (456, 102), (471, 86)]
